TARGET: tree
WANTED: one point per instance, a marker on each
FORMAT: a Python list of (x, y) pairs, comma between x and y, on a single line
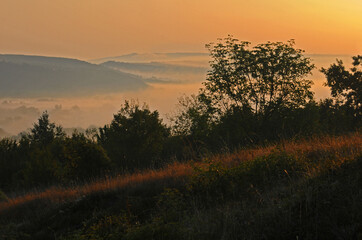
[(193, 117), (264, 77), (42, 149), (135, 137), (83, 158), (251, 95), (346, 86), (44, 132), (11, 163)]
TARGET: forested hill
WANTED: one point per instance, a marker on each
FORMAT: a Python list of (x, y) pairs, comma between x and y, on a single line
[(36, 76)]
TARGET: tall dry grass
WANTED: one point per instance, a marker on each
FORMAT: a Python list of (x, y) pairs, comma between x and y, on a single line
[(342, 148), (56, 195)]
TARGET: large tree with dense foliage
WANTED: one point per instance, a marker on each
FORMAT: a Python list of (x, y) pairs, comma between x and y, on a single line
[(264, 77), (251, 93)]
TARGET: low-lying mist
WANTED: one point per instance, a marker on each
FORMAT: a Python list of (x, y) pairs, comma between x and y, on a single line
[(18, 114)]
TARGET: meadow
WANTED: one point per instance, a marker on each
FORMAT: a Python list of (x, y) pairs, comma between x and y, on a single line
[(304, 189)]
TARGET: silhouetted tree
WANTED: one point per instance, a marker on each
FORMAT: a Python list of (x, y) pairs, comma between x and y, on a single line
[(264, 77), (346, 86), (251, 94), (44, 132), (335, 117), (83, 158), (194, 117), (41, 150), (135, 138)]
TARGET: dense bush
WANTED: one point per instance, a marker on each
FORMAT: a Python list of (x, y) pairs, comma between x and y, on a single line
[(135, 138)]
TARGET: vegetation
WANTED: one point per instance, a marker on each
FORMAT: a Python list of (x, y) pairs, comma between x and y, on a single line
[(346, 85), (252, 156), (258, 95), (135, 138), (304, 189), (265, 78)]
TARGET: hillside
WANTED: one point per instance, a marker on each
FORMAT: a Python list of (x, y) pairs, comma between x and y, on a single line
[(38, 76), (307, 189), (159, 70)]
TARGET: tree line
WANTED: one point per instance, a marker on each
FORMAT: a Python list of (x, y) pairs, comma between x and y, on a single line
[(252, 95)]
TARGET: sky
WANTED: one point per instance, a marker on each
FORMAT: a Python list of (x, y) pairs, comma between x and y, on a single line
[(89, 29), (93, 29)]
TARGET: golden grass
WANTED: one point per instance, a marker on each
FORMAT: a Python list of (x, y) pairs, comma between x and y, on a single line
[(58, 194), (344, 147)]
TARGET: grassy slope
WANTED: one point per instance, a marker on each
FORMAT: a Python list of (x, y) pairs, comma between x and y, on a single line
[(307, 189)]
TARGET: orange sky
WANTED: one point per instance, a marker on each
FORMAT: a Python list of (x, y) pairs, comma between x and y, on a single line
[(88, 29)]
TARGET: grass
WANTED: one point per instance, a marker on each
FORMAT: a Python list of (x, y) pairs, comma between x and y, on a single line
[(341, 148), (290, 189), (57, 195)]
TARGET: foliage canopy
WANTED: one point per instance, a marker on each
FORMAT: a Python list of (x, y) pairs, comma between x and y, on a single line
[(264, 77), (135, 137), (346, 85)]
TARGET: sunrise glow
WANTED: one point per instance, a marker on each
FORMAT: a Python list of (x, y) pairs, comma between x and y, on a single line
[(90, 29)]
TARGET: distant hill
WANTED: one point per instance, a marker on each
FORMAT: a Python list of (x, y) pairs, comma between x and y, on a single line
[(172, 72), (201, 59), (194, 59), (37, 76), (153, 67), (182, 67)]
